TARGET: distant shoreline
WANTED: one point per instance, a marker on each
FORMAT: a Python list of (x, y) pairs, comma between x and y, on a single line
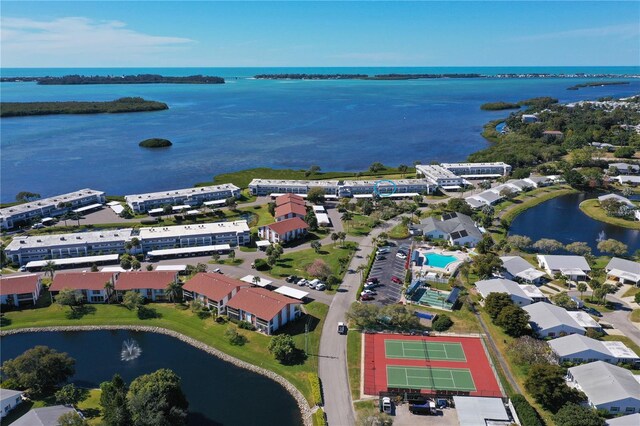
[(124, 79), (399, 76), (122, 105)]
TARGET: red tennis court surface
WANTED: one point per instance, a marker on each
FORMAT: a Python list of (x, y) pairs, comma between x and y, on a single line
[(382, 350)]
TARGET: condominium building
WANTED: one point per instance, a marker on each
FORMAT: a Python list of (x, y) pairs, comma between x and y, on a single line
[(189, 196), (58, 205), (478, 170), (288, 186), (24, 249), (440, 176), (235, 233), (346, 188)]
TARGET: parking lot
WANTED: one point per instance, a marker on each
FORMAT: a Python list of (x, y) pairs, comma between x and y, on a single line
[(384, 268)]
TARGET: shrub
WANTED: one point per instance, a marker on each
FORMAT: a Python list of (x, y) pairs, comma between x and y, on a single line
[(316, 390), (319, 418), (526, 413), (234, 338), (261, 265), (442, 323), (246, 325)]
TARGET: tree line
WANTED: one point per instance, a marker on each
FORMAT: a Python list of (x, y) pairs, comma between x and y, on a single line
[(20, 109)]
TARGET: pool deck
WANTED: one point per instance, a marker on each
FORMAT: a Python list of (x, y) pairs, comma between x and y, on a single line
[(449, 269)]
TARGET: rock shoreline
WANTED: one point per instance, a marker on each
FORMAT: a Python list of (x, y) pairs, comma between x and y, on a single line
[(305, 410)]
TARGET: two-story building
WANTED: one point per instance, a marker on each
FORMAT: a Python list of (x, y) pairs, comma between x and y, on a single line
[(22, 214), (264, 309), (92, 285), (193, 197), (150, 284), (20, 290), (214, 290), (284, 231)]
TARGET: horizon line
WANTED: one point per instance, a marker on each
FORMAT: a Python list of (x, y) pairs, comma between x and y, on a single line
[(329, 66)]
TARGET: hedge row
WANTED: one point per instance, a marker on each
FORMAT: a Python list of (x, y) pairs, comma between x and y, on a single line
[(526, 413), (367, 271), (316, 390), (319, 419)]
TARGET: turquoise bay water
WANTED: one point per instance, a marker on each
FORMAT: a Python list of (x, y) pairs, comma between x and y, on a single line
[(439, 260), (338, 125)]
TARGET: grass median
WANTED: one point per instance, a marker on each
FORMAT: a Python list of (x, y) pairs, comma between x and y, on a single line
[(185, 322)]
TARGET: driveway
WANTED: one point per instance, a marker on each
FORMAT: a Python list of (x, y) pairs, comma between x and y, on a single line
[(620, 320)]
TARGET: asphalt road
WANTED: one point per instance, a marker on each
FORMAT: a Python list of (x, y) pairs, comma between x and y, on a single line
[(332, 363)]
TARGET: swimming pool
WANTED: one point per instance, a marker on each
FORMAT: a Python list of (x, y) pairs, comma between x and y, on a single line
[(439, 260)]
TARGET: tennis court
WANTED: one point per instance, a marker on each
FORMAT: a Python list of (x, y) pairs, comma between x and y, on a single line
[(412, 349), (442, 379)]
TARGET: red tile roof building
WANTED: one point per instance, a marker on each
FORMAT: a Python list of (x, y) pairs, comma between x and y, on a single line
[(289, 198), (90, 284), (150, 284), (214, 290), (264, 309), (290, 210), (22, 290), (284, 231)]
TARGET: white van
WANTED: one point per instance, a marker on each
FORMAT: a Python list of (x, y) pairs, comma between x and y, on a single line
[(386, 405)]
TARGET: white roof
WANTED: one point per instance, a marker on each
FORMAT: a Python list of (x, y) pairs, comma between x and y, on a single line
[(628, 420), (193, 212), (171, 267), (323, 218), (584, 319), (319, 209), (51, 201), (181, 193), (363, 196), (43, 416), (292, 292), (572, 344), (623, 268), (620, 350), (604, 383), (87, 208), (154, 211), (179, 208), (196, 229), (545, 316), (112, 269), (401, 195), (261, 283), (533, 292), (215, 202), (263, 243), (9, 393), (185, 250), (117, 208), (113, 203), (500, 285), (565, 262), (77, 238), (74, 260), (474, 411)]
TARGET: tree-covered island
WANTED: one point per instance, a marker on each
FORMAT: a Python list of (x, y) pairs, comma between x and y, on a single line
[(21, 109), (122, 79), (155, 143), (597, 84)]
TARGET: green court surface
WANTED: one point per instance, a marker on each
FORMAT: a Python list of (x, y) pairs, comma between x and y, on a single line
[(451, 379), (422, 349)]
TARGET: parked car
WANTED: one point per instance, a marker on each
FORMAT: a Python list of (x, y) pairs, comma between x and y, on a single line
[(218, 271), (368, 291), (373, 280), (386, 406), (321, 287), (291, 278), (302, 282), (370, 286), (592, 311), (313, 283), (366, 297), (342, 328), (382, 250), (23, 269), (396, 280), (401, 255)]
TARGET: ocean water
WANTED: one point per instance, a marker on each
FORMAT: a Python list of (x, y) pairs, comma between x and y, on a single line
[(338, 125)]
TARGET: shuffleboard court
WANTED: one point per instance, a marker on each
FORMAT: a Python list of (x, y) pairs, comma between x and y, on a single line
[(416, 349), (443, 379)]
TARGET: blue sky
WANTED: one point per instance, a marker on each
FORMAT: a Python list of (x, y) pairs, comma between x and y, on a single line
[(206, 33)]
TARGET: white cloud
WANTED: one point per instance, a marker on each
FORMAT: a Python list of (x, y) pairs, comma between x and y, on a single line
[(78, 41), (624, 31)]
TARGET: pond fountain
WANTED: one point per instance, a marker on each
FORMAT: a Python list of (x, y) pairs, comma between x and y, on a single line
[(601, 236), (130, 350)]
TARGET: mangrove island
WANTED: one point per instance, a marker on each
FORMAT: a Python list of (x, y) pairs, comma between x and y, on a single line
[(21, 109), (155, 143)]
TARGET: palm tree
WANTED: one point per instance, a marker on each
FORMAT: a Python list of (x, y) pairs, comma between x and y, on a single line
[(108, 288), (172, 290), (335, 237), (360, 269), (255, 280), (342, 236), (347, 217), (50, 268), (315, 245), (582, 287), (232, 255)]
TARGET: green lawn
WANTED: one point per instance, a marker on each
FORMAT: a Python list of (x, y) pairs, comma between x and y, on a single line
[(91, 408), (295, 263), (635, 315), (354, 349), (632, 291), (399, 232), (359, 225), (592, 209), (188, 323)]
